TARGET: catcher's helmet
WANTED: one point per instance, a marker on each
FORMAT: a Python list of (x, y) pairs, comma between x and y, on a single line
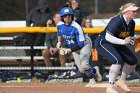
[(66, 11)]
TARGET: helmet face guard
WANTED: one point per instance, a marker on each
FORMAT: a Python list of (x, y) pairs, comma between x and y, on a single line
[(66, 11)]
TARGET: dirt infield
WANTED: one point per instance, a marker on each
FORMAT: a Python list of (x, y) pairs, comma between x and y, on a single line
[(55, 88)]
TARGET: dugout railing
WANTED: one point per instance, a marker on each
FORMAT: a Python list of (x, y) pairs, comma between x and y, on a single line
[(31, 48)]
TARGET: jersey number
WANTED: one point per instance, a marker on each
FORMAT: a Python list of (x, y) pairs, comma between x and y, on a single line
[(70, 42)]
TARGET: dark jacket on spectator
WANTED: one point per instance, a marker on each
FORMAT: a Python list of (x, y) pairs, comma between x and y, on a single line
[(37, 18), (51, 39), (79, 14)]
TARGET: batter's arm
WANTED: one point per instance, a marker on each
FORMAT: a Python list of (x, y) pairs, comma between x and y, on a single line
[(58, 45)]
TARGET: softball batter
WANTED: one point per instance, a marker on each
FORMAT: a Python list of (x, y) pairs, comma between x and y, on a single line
[(111, 44), (77, 42)]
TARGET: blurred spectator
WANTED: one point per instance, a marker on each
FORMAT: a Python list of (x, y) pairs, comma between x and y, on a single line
[(87, 23), (37, 17), (79, 12)]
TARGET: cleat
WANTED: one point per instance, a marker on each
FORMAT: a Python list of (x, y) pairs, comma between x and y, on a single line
[(122, 84), (91, 83), (111, 90), (98, 76)]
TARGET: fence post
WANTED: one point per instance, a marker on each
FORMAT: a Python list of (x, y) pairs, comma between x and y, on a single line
[(32, 62)]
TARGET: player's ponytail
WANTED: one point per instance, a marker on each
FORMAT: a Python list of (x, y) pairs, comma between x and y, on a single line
[(129, 6), (124, 8)]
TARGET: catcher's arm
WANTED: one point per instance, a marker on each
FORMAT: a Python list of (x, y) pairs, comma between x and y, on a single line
[(137, 44)]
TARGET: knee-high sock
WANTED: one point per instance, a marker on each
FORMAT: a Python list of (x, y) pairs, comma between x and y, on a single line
[(113, 73), (127, 69), (90, 72)]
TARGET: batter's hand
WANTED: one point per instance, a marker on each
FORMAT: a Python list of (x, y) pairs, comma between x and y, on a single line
[(64, 51), (55, 50), (51, 51)]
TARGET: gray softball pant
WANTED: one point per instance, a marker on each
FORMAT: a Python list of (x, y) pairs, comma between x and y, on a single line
[(82, 56)]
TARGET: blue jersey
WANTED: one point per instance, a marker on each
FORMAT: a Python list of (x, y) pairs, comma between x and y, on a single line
[(73, 34), (118, 28)]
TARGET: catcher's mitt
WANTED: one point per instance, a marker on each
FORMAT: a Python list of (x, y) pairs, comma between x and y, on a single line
[(137, 44)]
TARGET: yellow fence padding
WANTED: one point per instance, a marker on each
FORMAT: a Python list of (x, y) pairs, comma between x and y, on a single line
[(49, 30)]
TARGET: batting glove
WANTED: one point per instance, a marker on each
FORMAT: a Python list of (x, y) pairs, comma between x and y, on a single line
[(132, 41), (58, 45), (64, 51)]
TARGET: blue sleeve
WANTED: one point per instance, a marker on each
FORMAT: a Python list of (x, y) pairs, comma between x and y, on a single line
[(81, 44), (80, 36), (58, 31)]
